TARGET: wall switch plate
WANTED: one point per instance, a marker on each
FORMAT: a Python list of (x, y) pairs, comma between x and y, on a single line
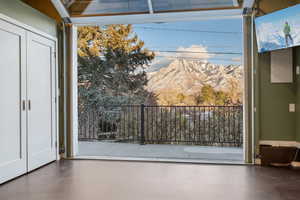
[(292, 107), (298, 70)]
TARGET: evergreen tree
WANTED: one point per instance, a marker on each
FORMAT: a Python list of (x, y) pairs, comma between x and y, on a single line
[(111, 66)]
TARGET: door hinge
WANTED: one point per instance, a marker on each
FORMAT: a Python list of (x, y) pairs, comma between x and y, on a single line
[(61, 150), (54, 53)]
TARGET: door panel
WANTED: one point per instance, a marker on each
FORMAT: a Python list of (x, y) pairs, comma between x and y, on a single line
[(12, 90), (41, 101)]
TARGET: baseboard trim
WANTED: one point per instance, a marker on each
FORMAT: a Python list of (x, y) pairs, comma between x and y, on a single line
[(280, 143)]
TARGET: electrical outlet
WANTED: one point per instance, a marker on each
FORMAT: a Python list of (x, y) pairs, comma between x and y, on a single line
[(292, 107), (298, 70)]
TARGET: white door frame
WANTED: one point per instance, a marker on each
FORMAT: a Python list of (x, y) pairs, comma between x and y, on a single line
[(74, 91), (152, 18)]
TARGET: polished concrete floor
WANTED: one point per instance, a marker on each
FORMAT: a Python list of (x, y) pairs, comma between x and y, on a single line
[(93, 180), (162, 151)]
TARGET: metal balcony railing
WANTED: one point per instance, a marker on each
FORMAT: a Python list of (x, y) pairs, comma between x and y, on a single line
[(193, 125)]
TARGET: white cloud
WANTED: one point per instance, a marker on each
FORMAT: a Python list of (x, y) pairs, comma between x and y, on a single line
[(162, 59), (193, 52)]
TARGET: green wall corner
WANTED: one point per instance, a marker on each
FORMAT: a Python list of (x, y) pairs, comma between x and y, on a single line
[(276, 122), (28, 15)]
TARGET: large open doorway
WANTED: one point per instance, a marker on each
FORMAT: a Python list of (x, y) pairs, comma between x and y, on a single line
[(181, 97)]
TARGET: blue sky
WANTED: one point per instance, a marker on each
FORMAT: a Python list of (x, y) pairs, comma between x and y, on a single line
[(198, 36)]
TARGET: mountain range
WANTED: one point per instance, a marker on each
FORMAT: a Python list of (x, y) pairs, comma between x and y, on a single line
[(187, 77)]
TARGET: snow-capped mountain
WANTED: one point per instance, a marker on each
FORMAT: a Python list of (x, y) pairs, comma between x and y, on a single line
[(188, 76)]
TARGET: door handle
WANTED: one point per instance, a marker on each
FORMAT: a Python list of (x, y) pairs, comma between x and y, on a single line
[(23, 105), (29, 104)]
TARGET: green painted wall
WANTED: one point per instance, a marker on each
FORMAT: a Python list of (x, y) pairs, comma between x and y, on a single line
[(275, 120), (297, 63), (27, 15), (256, 90)]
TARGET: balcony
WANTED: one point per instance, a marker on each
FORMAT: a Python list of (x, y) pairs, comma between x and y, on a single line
[(197, 133)]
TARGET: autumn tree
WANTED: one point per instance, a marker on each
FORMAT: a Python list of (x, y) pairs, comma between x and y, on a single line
[(207, 94), (222, 98), (198, 99), (235, 92), (180, 97)]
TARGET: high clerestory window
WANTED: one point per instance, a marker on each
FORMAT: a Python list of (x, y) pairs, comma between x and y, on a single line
[(112, 7)]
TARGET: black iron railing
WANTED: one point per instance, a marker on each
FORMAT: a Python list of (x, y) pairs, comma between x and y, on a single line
[(195, 125)]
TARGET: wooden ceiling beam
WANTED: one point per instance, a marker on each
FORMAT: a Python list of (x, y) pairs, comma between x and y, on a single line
[(267, 6), (44, 6)]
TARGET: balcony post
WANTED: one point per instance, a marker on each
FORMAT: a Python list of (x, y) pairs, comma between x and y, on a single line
[(142, 139)]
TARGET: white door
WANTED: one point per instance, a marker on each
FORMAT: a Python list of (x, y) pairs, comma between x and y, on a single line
[(41, 101), (12, 101)]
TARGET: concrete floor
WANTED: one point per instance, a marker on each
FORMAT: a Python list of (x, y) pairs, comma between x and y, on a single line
[(162, 151), (115, 180)]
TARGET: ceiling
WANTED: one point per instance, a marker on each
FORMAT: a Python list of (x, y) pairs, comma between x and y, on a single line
[(46, 7), (266, 6), (85, 8), (82, 8)]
